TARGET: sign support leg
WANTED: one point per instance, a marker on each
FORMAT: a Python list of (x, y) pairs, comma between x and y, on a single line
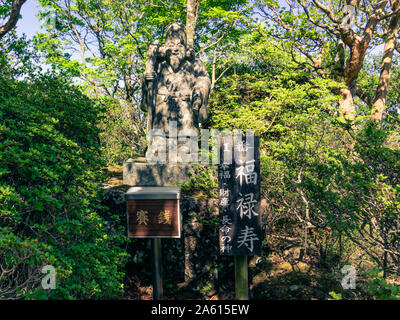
[(241, 278), (157, 269)]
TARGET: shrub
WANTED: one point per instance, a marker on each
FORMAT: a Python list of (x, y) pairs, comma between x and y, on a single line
[(49, 194), (202, 181), (378, 288)]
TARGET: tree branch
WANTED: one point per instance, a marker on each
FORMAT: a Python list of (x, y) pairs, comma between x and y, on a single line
[(13, 19)]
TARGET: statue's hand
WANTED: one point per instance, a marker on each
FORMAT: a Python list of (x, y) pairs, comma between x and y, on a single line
[(149, 76), (196, 105), (199, 106), (197, 101)]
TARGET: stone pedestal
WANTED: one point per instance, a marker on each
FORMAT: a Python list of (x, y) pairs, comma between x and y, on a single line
[(138, 172), (192, 259)]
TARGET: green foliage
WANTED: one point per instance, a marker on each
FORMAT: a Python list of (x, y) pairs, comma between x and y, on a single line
[(378, 288), (112, 38), (335, 296), (331, 187), (207, 287), (287, 107), (50, 178), (122, 137), (5, 10), (202, 180), (18, 57), (357, 192), (205, 220), (316, 172)]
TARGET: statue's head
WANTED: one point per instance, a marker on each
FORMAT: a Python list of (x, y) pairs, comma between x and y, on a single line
[(175, 47), (176, 32)]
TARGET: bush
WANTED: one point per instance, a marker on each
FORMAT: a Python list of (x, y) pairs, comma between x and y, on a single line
[(203, 181), (49, 194), (123, 133), (378, 288)]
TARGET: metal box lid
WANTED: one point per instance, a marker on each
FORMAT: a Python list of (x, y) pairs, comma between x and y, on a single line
[(135, 193)]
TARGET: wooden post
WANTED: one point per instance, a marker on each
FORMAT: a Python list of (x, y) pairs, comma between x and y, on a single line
[(157, 269), (153, 212), (239, 204), (241, 278)]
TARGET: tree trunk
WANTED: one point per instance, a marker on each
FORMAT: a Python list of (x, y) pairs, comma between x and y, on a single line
[(358, 48), (13, 19), (386, 66), (346, 105), (192, 11)]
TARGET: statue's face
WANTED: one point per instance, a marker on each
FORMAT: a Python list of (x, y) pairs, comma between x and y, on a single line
[(176, 52)]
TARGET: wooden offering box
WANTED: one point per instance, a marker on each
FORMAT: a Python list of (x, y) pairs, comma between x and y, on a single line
[(153, 212)]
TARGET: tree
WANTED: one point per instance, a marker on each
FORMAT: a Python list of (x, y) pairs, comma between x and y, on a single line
[(290, 108), (321, 194), (192, 13), (12, 13), (384, 79), (320, 32), (104, 44), (50, 190)]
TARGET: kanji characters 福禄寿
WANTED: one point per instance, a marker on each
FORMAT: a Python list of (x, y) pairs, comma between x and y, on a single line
[(246, 205), (246, 173), (247, 237)]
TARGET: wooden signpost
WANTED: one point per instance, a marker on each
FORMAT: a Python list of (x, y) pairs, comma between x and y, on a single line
[(239, 204), (153, 212)]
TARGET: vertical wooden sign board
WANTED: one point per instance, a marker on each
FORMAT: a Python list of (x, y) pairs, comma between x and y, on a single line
[(239, 204), (239, 197)]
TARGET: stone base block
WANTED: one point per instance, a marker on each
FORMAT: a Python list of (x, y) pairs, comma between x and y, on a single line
[(138, 172)]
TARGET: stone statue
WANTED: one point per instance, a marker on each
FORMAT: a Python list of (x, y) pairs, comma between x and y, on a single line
[(176, 84)]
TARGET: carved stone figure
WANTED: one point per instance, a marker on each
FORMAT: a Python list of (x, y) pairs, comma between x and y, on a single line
[(176, 84)]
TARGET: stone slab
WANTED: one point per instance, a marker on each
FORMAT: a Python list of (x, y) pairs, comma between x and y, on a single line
[(140, 173)]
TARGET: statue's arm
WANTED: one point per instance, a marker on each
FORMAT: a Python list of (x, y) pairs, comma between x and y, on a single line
[(201, 90), (151, 60), (149, 75), (144, 102)]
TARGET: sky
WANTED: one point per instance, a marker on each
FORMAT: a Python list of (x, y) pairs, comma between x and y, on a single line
[(29, 24)]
